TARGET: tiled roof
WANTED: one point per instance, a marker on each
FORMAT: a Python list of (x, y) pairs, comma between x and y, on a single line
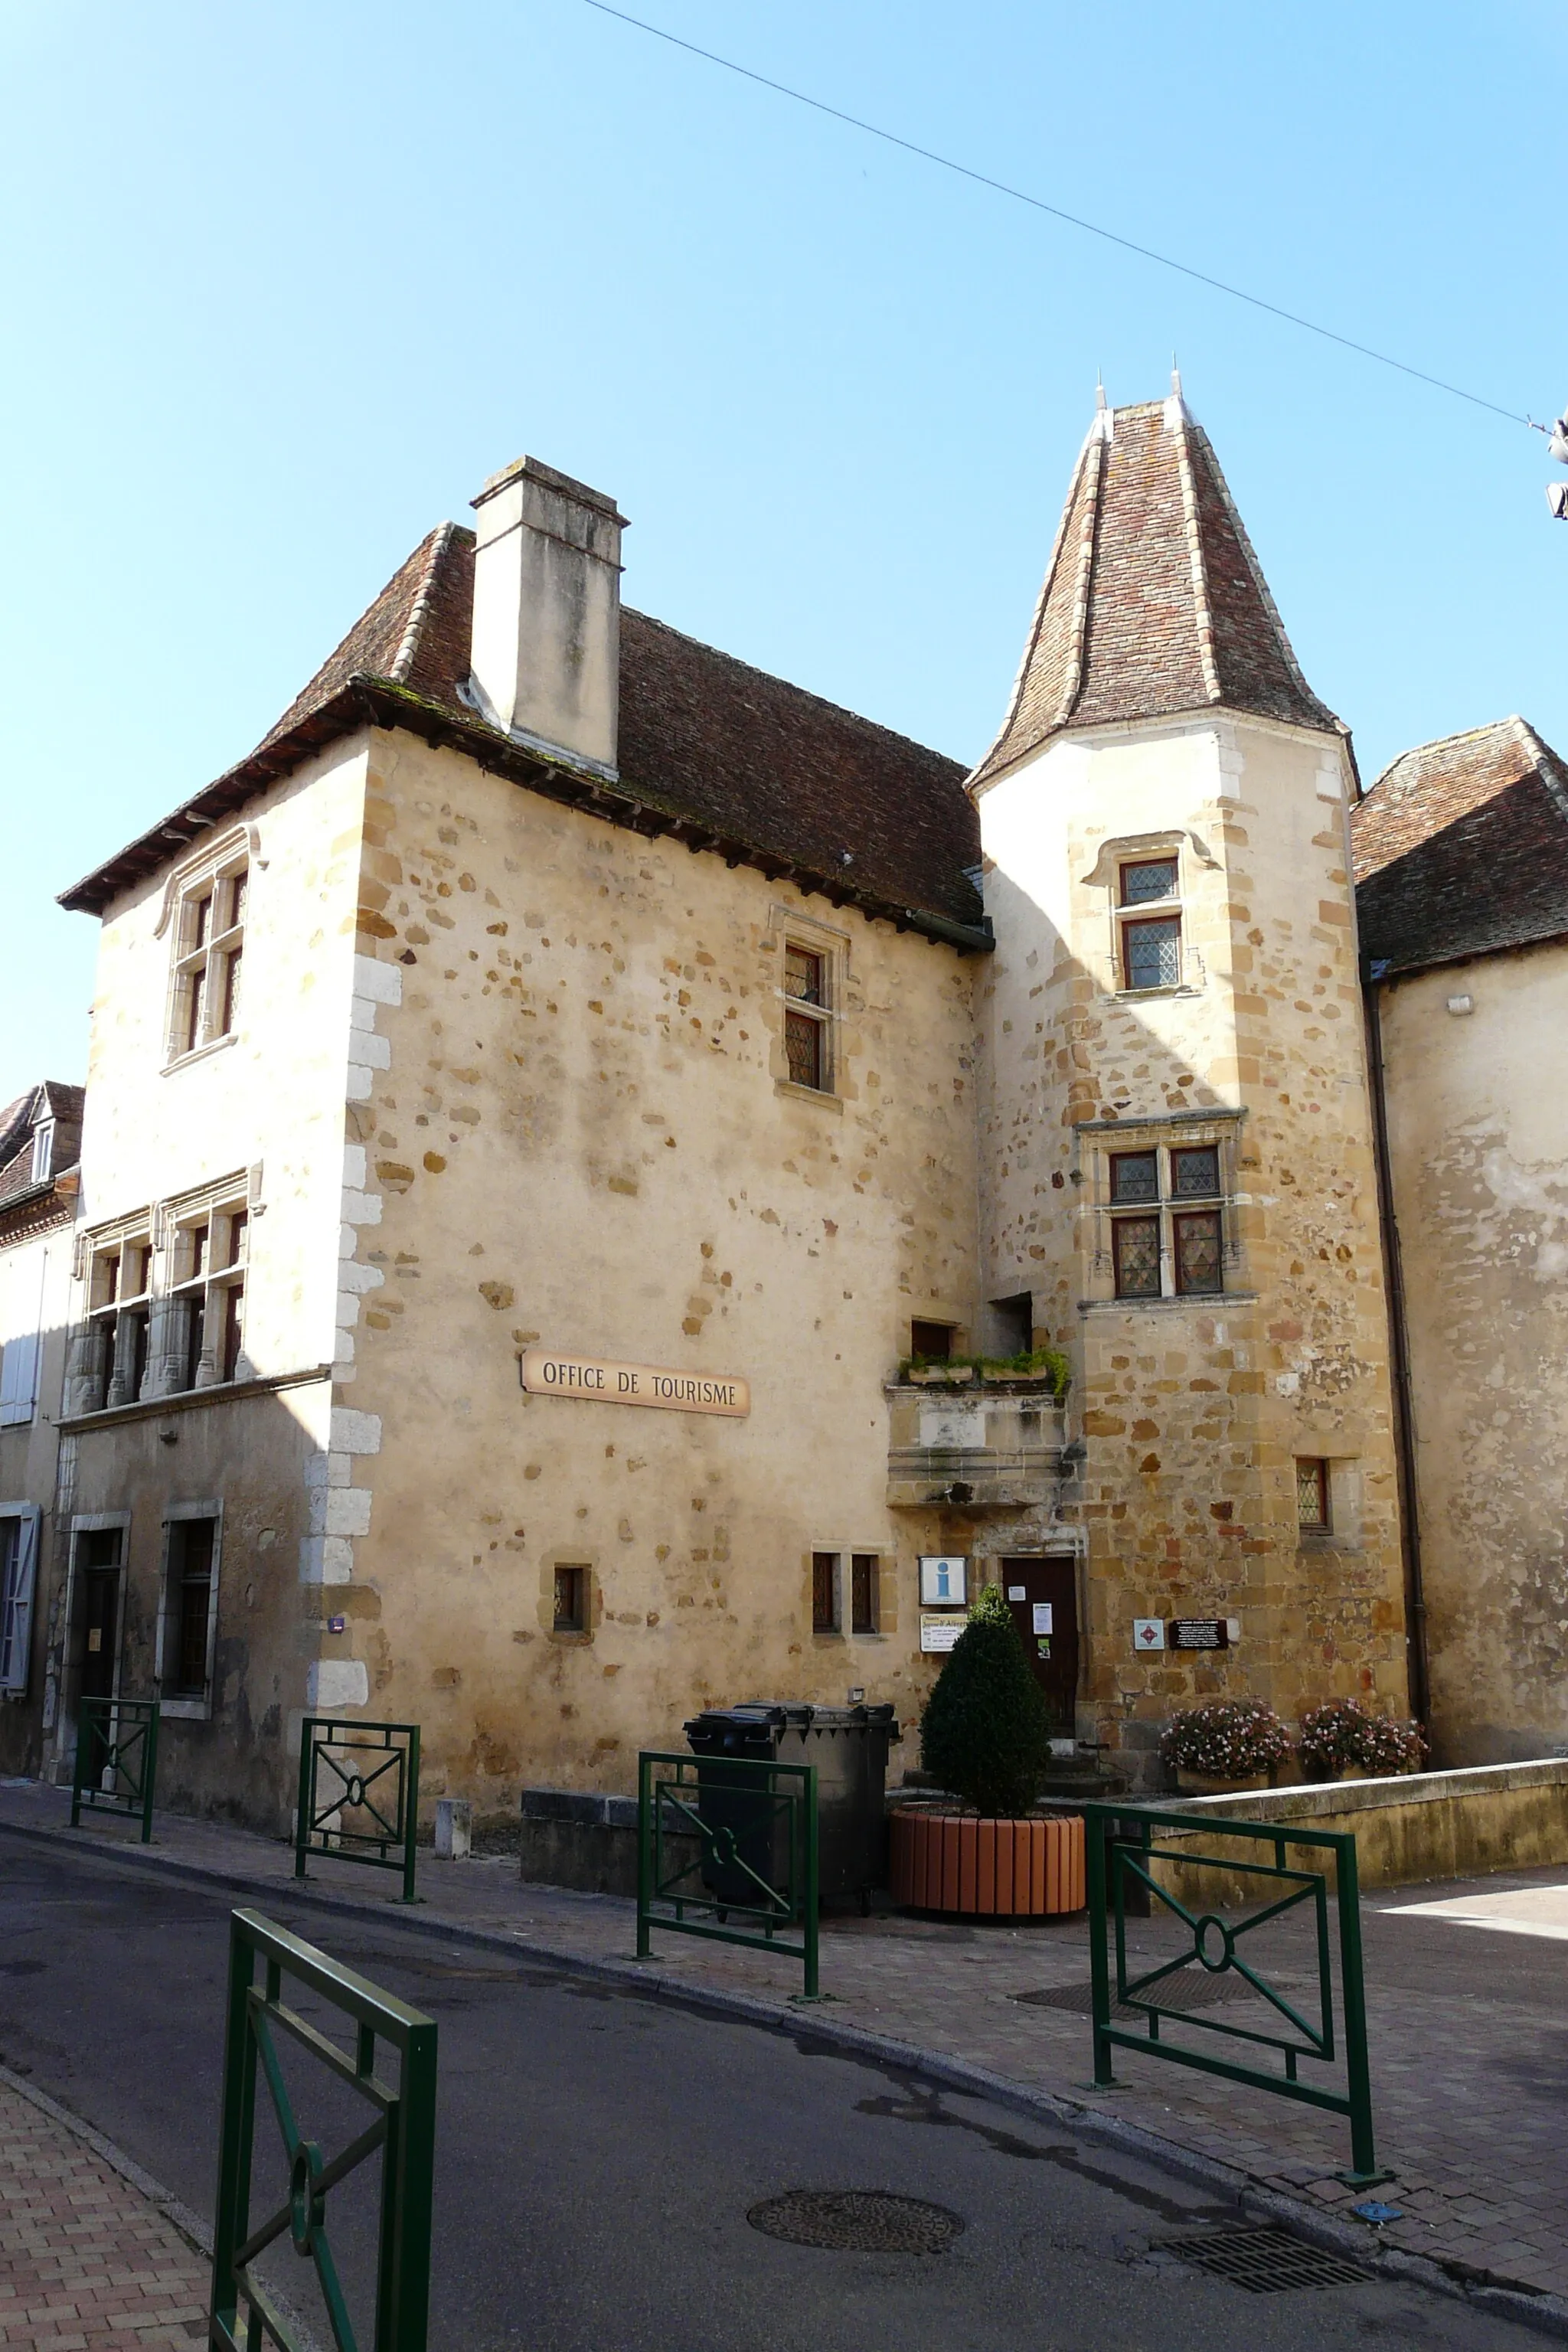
[(1153, 603), (1461, 848), (19, 1119), (713, 750)]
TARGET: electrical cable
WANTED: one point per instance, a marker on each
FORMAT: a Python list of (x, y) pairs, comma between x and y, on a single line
[(1038, 204)]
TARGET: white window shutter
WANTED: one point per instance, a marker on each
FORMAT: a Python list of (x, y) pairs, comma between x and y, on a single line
[(18, 1378), (17, 1601)]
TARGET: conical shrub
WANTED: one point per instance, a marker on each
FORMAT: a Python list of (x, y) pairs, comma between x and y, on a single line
[(986, 1732)]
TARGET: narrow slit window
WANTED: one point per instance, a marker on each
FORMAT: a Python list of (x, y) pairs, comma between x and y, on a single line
[(572, 1600), (805, 1018), (1313, 1495), (863, 1592), (825, 1593)]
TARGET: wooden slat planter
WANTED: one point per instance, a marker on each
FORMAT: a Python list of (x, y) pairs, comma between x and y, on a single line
[(956, 1862)]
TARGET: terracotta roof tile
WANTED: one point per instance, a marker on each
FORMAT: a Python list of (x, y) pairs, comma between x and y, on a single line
[(1153, 601), (1461, 850), (705, 740)]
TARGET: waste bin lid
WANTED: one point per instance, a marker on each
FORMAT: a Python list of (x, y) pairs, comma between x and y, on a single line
[(804, 1717)]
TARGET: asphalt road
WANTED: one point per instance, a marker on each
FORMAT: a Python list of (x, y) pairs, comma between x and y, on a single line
[(598, 2151)]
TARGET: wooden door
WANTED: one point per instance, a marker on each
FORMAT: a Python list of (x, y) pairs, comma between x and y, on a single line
[(99, 1567), (1042, 1597)]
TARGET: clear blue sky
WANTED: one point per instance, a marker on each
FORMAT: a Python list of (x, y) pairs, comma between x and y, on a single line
[(282, 284)]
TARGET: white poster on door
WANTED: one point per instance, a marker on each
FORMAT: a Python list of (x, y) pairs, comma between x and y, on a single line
[(1042, 1617)]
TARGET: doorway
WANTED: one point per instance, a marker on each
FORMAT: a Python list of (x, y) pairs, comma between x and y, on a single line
[(1042, 1599), (98, 1564)]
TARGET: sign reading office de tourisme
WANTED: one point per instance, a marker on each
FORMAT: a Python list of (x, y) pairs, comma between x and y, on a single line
[(600, 1380)]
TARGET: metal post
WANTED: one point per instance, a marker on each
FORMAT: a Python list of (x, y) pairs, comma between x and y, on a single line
[(410, 1815), (1099, 1967), (307, 1792), (644, 1855), (149, 1772), (79, 1767), (812, 1886), (1352, 1987), (235, 2144), (408, 2196)]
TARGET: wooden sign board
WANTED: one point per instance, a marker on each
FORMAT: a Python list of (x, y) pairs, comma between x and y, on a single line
[(602, 1380)]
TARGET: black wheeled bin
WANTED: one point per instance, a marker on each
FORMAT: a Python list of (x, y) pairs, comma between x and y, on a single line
[(848, 1746)]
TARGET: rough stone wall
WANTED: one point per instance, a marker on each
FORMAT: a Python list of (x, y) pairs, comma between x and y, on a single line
[(1193, 1409), (1478, 1149), (585, 1137)]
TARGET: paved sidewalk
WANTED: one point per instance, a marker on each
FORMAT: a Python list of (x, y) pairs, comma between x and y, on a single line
[(1469, 2061), (88, 2262)]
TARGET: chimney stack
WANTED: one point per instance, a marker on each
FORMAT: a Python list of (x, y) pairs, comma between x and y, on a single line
[(545, 654)]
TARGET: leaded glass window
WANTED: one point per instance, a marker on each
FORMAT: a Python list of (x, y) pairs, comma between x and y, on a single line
[(1312, 1494), (805, 1017), (1194, 1173), (1152, 953), (1135, 1176), (1197, 1251), (1150, 879), (1135, 1247)]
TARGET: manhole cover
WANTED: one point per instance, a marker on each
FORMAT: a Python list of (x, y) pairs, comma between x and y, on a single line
[(857, 2220), (1264, 2260), (1194, 1991)]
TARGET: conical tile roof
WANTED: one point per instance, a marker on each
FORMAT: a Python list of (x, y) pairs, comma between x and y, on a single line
[(1153, 601)]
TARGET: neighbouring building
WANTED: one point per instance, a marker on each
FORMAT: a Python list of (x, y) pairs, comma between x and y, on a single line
[(1461, 853), (553, 1106), (40, 1137)]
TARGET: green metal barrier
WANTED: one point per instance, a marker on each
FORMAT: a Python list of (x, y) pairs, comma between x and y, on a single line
[(116, 1742), (1121, 1856), (404, 2132), (756, 1824), (340, 1764)]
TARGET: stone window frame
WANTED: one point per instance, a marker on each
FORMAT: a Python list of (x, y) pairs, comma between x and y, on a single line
[(1184, 848), (1099, 1141), (115, 1334), (576, 1556), (101, 1376), (217, 957), (188, 1705), (790, 926)]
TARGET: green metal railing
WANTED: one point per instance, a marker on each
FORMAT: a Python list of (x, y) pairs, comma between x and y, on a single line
[(1122, 1856), (116, 1769), (369, 1771), (754, 1822), (403, 2131)]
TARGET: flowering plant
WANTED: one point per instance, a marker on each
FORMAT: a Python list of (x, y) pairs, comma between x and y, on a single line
[(1342, 1737), (1228, 1739)]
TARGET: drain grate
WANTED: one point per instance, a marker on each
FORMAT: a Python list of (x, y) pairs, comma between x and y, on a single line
[(1264, 2260), (1194, 1991), (857, 2220)]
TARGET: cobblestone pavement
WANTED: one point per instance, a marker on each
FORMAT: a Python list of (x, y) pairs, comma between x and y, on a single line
[(1469, 2039), (88, 2264)]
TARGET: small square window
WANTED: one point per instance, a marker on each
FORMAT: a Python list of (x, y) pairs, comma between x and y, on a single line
[(1135, 1176), (1313, 1495), (932, 1340), (1195, 1173), (1150, 879), (1196, 1237), (863, 1592), (825, 1593), (572, 1600), (1152, 952), (1135, 1248)]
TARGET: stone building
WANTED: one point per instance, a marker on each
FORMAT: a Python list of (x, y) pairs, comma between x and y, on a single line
[(41, 1136), (1461, 853), (520, 1307)]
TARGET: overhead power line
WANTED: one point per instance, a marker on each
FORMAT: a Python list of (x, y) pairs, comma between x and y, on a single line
[(1057, 212)]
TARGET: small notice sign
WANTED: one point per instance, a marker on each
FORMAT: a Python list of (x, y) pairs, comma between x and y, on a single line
[(1042, 1617), (1200, 1634), (1148, 1632), (600, 1380), (941, 1632), (944, 1580)]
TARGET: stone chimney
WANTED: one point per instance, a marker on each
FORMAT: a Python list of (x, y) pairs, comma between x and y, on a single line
[(547, 606)]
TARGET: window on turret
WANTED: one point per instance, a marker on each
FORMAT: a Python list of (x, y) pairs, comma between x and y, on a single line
[(1151, 942), (1161, 1240)]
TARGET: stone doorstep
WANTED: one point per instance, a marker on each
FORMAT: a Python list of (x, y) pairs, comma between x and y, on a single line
[(1257, 2193)]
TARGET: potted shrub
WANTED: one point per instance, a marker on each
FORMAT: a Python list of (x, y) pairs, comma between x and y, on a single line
[(986, 1735), (1344, 1741), (1228, 1743)]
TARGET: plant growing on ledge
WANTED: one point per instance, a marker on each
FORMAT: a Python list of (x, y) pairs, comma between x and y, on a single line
[(1344, 1737), (1036, 1363), (1227, 1739), (986, 1731)]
